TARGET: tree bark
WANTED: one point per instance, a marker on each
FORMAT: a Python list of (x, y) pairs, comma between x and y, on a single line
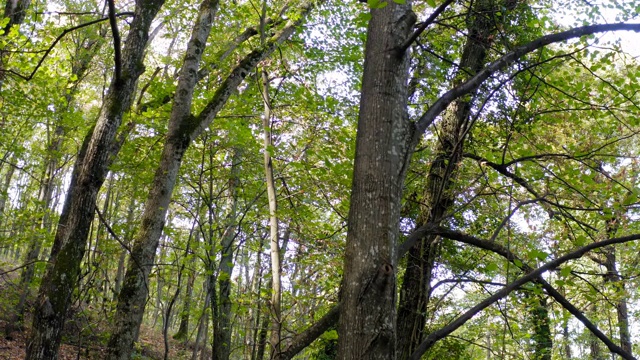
[(437, 197), (274, 250), (367, 327), (622, 312), (183, 129), (222, 324), (90, 171), (203, 321), (541, 330), (133, 297), (15, 11), (127, 242), (4, 191)]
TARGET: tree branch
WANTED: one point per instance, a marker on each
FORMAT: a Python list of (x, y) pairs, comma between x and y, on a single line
[(531, 276), (57, 39), (472, 84), (116, 41), (420, 29), (555, 294)]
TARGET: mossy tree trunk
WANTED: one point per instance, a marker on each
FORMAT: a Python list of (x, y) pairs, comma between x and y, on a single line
[(437, 197), (184, 128), (90, 171)]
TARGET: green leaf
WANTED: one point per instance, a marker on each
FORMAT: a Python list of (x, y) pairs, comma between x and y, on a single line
[(518, 263), (431, 3), (492, 267), (565, 271)]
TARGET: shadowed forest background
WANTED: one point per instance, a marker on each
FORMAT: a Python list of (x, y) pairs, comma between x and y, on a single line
[(319, 180)]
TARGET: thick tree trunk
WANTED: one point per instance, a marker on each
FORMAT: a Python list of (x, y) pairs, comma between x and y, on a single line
[(367, 328), (90, 171), (437, 197), (222, 323)]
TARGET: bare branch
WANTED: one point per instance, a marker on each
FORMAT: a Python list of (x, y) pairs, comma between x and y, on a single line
[(531, 276), (57, 39), (116, 41), (414, 36), (472, 84)]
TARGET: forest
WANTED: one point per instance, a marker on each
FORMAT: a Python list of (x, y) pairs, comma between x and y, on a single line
[(318, 179)]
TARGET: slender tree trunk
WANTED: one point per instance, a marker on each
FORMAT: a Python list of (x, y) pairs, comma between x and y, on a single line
[(254, 312), (437, 196), (183, 329), (222, 324), (4, 191), (541, 329), (276, 284), (127, 241), (262, 323), (367, 327), (174, 298), (595, 350), (183, 129), (622, 311), (204, 319), (159, 291), (90, 171), (132, 299), (185, 315), (566, 339)]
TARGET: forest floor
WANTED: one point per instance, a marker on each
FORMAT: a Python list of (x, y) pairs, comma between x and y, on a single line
[(85, 334)]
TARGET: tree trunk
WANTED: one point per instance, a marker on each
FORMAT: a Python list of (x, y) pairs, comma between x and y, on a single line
[(127, 242), (622, 312), (194, 238), (15, 11), (262, 334), (541, 329), (595, 351), (222, 324), (276, 284), (183, 129), (367, 326), (202, 322), (90, 171), (185, 315), (133, 297), (437, 197), (4, 191)]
